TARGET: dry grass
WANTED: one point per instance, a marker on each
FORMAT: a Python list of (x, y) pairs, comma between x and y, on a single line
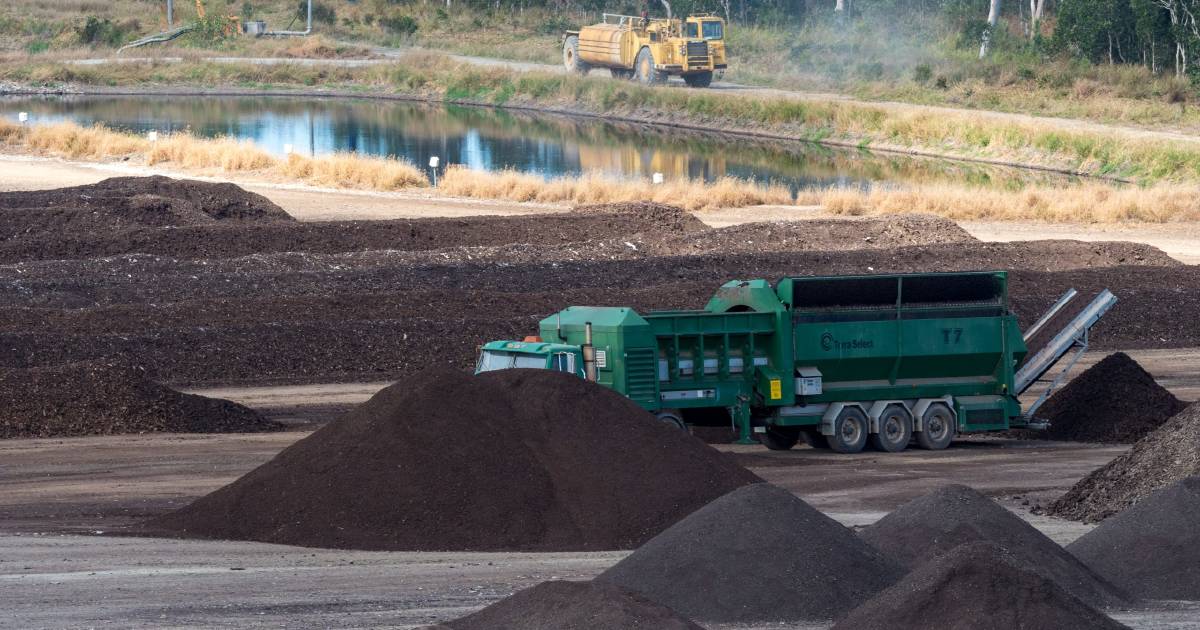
[(592, 188), (1089, 203), (349, 170)]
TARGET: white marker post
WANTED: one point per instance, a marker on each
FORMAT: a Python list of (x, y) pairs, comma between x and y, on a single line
[(152, 136), (657, 178), (287, 149), (23, 117), (433, 165)]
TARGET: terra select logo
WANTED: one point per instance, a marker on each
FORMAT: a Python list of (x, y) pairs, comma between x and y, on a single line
[(828, 343)]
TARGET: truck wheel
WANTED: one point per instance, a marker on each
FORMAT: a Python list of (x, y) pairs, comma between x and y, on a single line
[(895, 430), (571, 56), (850, 431), (813, 438), (779, 438), (698, 80), (672, 420), (643, 68), (937, 428)]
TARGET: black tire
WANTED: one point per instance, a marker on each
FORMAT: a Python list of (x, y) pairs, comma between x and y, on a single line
[(813, 438), (571, 56), (779, 438), (698, 80), (850, 431), (895, 430), (937, 428), (643, 69), (672, 420)]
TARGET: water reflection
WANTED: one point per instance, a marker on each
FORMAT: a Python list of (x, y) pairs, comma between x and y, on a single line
[(491, 139)]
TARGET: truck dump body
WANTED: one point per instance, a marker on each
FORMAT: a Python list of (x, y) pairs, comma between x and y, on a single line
[(909, 337)]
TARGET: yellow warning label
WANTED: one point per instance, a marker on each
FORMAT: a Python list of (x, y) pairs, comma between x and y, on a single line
[(776, 389)]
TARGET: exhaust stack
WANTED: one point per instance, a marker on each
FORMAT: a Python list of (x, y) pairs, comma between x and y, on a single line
[(589, 353)]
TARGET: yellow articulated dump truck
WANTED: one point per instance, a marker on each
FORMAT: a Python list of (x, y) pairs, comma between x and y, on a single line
[(650, 49)]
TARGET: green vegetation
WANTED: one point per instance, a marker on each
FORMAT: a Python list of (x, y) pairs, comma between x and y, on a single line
[(1116, 61)]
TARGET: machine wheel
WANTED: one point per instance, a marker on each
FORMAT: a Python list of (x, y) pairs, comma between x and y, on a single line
[(571, 56), (937, 428), (780, 438), (621, 73), (895, 430), (698, 80), (672, 420), (643, 68), (850, 431), (813, 438)]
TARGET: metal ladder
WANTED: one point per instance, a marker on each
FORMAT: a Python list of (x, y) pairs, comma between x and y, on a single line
[(1074, 336)]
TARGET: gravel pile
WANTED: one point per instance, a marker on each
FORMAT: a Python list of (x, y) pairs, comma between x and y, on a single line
[(976, 586), (758, 554), (564, 605), (528, 460), (99, 399), (1169, 454), (1153, 548), (932, 525)]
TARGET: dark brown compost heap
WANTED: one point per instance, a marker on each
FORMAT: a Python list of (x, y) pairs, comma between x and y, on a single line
[(509, 460), (125, 203), (935, 523), (563, 605), (1115, 401), (1169, 454), (757, 554), (976, 586), (1153, 548), (86, 399)]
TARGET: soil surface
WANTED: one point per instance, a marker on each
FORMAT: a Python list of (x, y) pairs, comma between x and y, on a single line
[(574, 606), (976, 586), (90, 399), (1153, 548), (702, 568), (1115, 400), (237, 301), (1169, 454), (55, 494), (508, 460), (933, 525)]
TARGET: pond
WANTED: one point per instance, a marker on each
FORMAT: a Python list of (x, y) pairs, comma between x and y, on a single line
[(495, 139)]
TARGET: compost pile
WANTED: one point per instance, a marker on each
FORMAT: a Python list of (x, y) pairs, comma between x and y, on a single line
[(1169, 454), (1114, 401), (904, 230), (976, 586), (101, 399), (757, 554), (1153, 548), (561, 605), (931, 525), (125, 203), (508, 460)]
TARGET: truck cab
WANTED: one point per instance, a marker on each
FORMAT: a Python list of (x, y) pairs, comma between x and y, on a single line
[(538, 355)]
